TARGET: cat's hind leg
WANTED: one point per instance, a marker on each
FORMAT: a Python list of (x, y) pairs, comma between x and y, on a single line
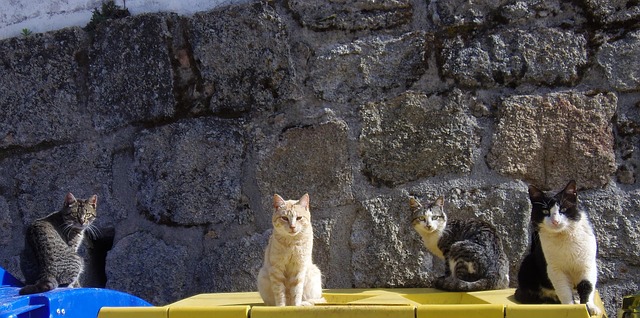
[(312, 291), (264, 287)]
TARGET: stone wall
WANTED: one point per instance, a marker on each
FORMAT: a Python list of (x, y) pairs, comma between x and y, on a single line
[(185, 127)]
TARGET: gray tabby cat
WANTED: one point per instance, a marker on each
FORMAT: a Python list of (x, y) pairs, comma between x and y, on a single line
[(472, 250), (50, 258)]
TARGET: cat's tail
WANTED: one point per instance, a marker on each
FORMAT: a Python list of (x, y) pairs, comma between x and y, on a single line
[(43, 285), (451, 283)]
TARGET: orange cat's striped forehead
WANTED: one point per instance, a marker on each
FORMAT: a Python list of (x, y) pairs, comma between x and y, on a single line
[(296, 207)]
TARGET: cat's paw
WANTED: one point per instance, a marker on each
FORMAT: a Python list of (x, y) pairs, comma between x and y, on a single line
[(29, 289), (593, 309), (440, 282)]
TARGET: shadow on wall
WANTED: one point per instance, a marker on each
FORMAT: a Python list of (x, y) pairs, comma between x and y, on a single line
[(95, 257)]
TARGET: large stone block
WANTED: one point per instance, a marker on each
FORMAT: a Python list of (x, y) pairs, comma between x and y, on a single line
[(190, 172), (242, 53), (415, 136), (42, 179), (232, 265), (619, 59), (146, 266), (544, 56), (548, 140), (613, 215), (550, 13), (41, 89), (130, 72), (369, 68), (7, 224), (612, 11), (351, 14), (386, 251), (627, 129), (311, 159), (463, 12)]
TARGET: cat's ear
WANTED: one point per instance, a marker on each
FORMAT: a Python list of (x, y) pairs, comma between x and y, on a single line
[(69, 198), (278, 201), (570, 189), (414, 204), (304, 201), (534, 193), (440, 201), (569, 193), (93, 200)]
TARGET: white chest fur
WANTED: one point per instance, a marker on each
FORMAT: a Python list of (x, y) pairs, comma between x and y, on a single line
[(430, 241), (572, 251)]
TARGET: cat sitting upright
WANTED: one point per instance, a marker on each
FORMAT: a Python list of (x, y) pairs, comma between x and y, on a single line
[(288, 276), (472, 250), (563, 252), (50, 257)]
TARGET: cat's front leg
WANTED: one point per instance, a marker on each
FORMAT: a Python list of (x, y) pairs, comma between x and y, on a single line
[(561, 284), (586, 291), (296, 284), (277, 286)]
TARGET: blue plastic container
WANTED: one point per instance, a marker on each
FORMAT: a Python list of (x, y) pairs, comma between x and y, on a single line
[(60, 302)]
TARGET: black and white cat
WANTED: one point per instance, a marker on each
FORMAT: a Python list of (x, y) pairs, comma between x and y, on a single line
[(472, 250), (562, 257)]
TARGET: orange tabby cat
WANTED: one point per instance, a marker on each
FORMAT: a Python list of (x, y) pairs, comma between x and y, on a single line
[(288, 276)]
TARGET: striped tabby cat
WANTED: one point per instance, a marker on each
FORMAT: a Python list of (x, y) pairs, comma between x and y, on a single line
[(472, 250), (50, 258)]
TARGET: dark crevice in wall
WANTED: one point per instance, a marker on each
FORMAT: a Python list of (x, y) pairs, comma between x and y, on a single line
[(187, 88), (96, 259)]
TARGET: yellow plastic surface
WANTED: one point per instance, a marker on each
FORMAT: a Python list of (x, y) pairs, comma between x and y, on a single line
[(373, 303), (137, 312)]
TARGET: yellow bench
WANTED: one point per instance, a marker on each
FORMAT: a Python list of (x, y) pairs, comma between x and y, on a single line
[(355, 303)]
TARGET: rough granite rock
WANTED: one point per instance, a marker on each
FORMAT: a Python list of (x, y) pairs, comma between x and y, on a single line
[(614, 215), (551, 139), (312, 159), (364, 69), (351, 14), (383, 241), (463, 12), (40, 88), (158, 271), (185, 126), (412, 137), (242, 54), (619, 60), (232, 265), (44, 178), (543, 56), (189, 172), (612, 11), (134, 45)]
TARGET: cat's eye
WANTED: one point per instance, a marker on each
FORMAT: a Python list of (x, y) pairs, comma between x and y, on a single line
[(284, 218), (299, 218), (422, 219), (546, 212), (435, 217)]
